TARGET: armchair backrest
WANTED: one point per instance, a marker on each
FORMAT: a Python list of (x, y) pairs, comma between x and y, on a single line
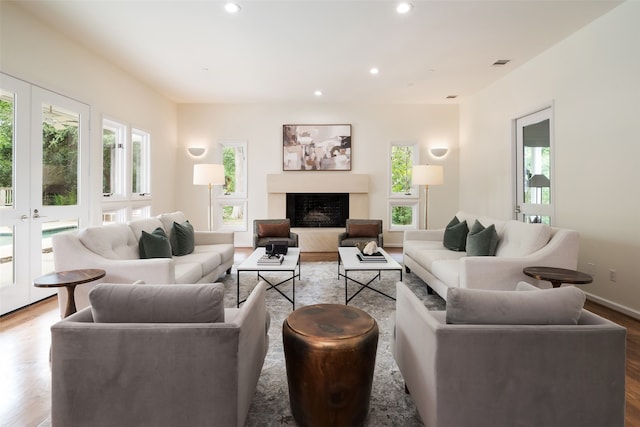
[(364, 227)]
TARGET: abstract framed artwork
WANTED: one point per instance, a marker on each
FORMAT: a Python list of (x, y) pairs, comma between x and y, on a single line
[(316, 147)]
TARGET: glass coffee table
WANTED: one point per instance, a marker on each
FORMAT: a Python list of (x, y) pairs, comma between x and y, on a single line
[(348, 258), (290, 264)]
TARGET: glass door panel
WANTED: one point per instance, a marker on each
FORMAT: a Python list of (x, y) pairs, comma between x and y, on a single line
[(534, 179), (44, 141)]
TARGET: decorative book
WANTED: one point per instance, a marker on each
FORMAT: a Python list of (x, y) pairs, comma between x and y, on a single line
[(374, 257), (270, 259)]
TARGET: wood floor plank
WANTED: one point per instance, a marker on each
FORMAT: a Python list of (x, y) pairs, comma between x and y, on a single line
[(25, 339)]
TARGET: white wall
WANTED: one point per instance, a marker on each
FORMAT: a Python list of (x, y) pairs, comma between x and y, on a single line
[(373, 128), (32, 51), (593, 80)]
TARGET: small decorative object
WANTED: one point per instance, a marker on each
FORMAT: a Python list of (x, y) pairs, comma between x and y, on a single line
[(371, 248), (360, 245), (316, 147)]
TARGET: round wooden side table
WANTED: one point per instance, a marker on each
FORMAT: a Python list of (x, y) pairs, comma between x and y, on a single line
[(558, 276), (330, 354), (69, 279)]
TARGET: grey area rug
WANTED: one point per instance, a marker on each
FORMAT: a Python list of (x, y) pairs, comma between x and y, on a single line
[(319, 284)]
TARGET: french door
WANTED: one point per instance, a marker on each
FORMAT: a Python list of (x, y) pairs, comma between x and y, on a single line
[(44, 157), (534, 167)]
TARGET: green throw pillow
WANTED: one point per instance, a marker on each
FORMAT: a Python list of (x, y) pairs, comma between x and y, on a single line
[(455, 235), (482, 241), (154, 245), (182, 238)]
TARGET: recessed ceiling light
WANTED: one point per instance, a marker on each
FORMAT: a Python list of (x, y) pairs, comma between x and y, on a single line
[(232, 7), (404, 7), (374, 70), (501, 62), (318, 93)]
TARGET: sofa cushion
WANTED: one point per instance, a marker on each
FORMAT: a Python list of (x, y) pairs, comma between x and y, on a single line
[(455, 235), (187, 272), (155, 244), (145, 224), (119, 303), (113, 241), (364, 230), (521, 239), (482, 241), (427, 257), (273, 230), (182, 238), (559, 306), (208, 261), (167, 220)]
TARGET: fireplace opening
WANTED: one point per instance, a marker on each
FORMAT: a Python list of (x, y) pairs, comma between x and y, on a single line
[(318, 209)]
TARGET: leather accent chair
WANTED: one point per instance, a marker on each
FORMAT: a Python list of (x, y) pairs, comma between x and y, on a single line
[(361, 231), (273, 230)]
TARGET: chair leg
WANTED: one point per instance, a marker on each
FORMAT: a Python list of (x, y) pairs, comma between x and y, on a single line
[(407, 269)]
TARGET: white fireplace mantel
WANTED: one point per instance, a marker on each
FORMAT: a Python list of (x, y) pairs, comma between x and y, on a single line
[(318, 239), (317, 182)]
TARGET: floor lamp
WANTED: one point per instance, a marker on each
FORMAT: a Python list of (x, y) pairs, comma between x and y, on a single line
[(427, 175), (208, 174)]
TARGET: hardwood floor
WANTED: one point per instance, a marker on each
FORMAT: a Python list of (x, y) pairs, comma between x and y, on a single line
[(25, 377)]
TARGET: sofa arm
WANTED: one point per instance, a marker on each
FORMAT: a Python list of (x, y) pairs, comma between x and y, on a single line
[(434, 235), (253, 320), (414, 349), (213, 237), (505, 272)]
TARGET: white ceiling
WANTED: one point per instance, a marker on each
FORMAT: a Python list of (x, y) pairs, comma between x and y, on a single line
[(282, 51)]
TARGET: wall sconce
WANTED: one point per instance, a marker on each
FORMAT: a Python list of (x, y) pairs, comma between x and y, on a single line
[(438, 152), (196, 151)]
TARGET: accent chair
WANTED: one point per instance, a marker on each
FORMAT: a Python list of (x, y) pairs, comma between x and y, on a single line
[(273, 230), (527, 357), (158, 355), (361, 231)]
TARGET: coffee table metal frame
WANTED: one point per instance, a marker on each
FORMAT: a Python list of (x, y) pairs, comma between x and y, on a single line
[(347, 257), (290, 263)]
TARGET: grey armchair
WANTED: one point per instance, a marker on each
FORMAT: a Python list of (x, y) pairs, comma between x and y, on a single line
[(270, 230), (505, 375), (361, 231), (173, 364)]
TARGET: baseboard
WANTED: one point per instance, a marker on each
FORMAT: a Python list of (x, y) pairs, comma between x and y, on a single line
[(614, 306)]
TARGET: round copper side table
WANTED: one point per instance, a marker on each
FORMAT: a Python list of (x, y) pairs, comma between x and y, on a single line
[(330, 354), (69, 279), (558, 276)]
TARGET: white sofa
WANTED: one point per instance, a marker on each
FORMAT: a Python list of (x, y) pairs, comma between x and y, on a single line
[(519, 245), (114, 248)]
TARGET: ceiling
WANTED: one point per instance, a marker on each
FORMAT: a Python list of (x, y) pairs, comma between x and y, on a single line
[(274, 51)]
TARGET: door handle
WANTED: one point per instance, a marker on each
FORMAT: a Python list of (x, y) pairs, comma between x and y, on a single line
[(517, 209), (36, 214), (24, 218)]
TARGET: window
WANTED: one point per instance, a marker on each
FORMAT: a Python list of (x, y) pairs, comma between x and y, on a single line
[(231, 201), (403, 156), (403, 215), (126, 174), (113, 159), (404, 198)]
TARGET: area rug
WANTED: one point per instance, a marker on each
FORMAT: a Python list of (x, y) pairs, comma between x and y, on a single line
[(319, 284)]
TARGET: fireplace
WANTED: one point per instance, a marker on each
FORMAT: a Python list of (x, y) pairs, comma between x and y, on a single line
[(318, 209)]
